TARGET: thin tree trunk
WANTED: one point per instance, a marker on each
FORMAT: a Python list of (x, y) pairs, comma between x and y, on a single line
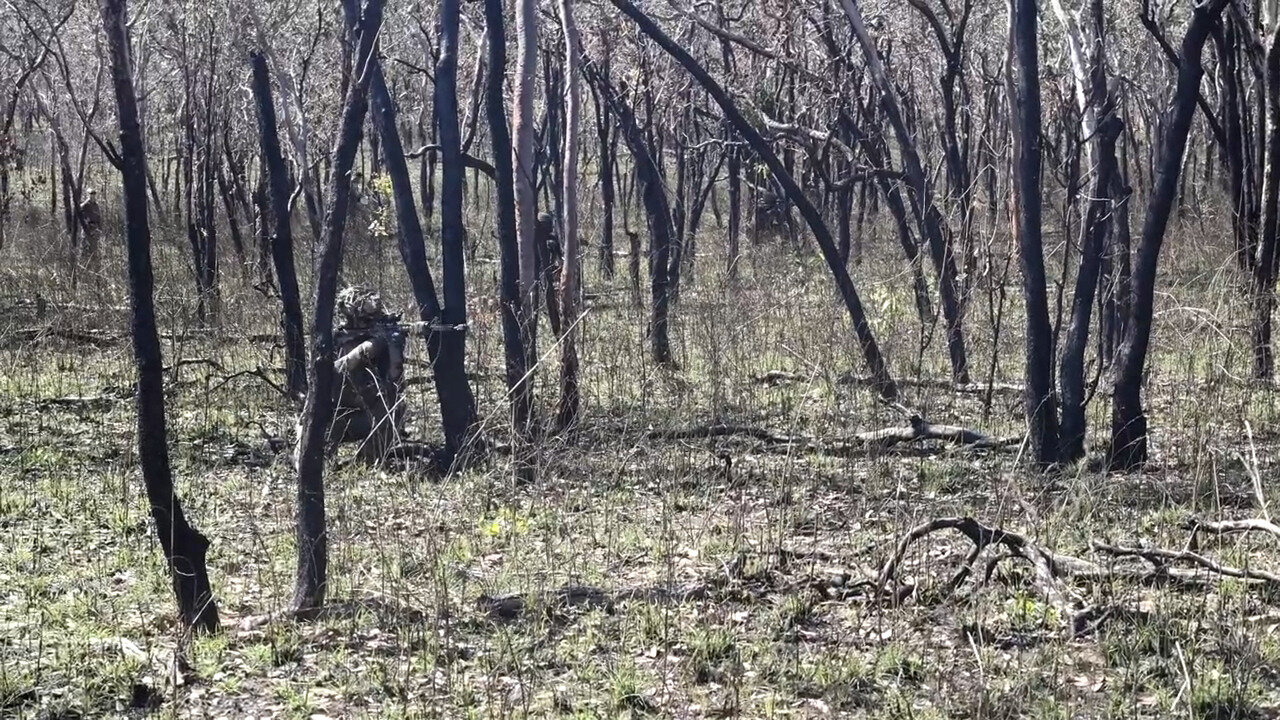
[(1128, 449), (295, 349), (567, 411), (517, 366), (526, 193), (1024, 96), (317, 412), (1264, 269), (184, 547), (932, 225), (883, 381)]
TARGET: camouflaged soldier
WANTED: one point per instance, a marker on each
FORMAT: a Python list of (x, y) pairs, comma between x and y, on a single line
[(370, 347)]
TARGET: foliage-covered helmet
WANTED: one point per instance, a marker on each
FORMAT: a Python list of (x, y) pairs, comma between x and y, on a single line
[(360, 306)]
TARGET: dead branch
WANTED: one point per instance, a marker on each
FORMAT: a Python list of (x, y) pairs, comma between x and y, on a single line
[(921, 429), (1160, 559), (1050, 568), (699, 432), (1228, 527), (94, 338), (870, 442)]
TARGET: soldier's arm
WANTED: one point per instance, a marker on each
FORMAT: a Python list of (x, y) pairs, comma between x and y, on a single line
[(360, 356)]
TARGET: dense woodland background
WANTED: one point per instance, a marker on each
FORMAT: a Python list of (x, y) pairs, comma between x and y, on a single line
[(768, 359)]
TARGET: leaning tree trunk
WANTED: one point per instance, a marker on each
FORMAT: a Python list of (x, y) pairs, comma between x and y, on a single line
[(295, 351), (317, 412), (658, 213), (1128, 449), (567, 411), (870, 348), (184, 547), (932, 225), (517, 365)]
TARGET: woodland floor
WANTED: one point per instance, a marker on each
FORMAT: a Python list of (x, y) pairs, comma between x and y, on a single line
[(714, 577)]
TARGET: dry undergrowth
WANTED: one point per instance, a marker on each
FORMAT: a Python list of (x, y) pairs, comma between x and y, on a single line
[(650, 570)]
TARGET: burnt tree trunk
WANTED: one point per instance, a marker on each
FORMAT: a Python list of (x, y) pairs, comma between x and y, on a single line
[(1264, 269), (517, 366), (317, 411), (882, 380), (184, 547), (526, 192), (457, 404), (1024, 97), (932, 225), (1128, 449), (278, 183), (658, 213), (570, 399)]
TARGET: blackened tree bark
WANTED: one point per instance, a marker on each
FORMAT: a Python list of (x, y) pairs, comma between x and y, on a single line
[(882, 380), (929, 217), (505, 226), (1071, 372), (457, 404), (1128, 449), (317, 411), (608, 146), (453, 389), (184, 548), (1101, 130), (1264, 269), (295, 350), (1024, 86), (657, 212)]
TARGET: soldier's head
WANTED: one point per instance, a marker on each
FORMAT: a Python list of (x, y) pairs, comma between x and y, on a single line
[(93, 193), (361, 307)]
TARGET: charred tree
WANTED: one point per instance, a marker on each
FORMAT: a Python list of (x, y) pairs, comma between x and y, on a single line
[(657, 212), (457, 404), (881, 379), (517, 364), (184, 548), (526, 192), (1128, 450), (567, 410), (1264, 269), (1024, 97), (278, 184), (318, 410)]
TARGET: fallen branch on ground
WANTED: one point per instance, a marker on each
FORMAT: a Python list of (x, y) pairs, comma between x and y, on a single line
[(1050, 568), (871, 441), (1227, 527), (1160, 559), (95, 338)]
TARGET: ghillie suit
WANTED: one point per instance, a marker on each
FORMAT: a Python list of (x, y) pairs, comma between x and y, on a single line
[(370, 344)]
